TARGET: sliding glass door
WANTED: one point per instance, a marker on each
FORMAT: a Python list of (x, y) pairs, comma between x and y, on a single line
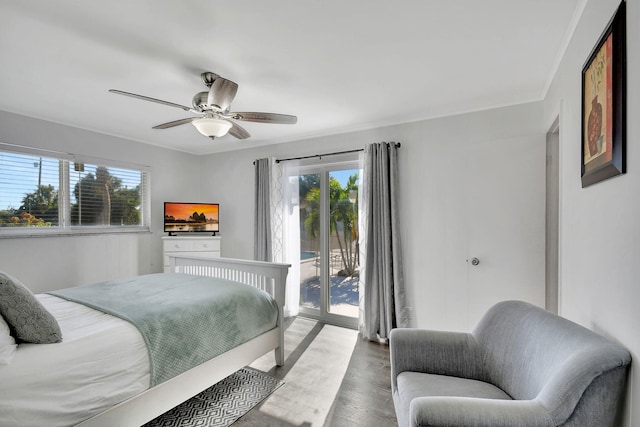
[(329, 258)]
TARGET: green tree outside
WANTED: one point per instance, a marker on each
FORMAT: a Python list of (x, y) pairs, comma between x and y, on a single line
[(102, 201), (343, 216)]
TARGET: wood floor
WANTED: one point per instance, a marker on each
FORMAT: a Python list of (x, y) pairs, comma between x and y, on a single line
[(332, 378)]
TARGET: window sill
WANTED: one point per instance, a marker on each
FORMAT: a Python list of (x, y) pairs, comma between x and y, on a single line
[(28, 232)]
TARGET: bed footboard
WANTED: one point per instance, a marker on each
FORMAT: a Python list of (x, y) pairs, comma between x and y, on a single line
[(268, 276)]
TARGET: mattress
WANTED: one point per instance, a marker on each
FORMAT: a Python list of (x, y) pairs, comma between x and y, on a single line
[(63, 384), (184, 319)]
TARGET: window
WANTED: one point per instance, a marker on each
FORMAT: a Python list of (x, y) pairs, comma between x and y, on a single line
[(104, 196), (45, 194), (29, 190)]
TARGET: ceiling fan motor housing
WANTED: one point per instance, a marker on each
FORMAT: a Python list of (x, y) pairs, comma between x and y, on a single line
[(200, 101)]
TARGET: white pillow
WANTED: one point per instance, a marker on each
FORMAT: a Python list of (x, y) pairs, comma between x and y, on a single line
[(8, 345)]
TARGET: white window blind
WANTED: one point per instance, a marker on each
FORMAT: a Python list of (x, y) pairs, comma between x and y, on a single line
[(105, 196), (29, 191), (50, 194)]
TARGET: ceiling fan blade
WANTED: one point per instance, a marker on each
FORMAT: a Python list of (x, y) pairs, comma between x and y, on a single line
[(175, 123), (158, 101), (265, 118), (238, 131), (221, 93)]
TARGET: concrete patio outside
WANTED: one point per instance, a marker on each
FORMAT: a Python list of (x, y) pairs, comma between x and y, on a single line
[(344, 294)]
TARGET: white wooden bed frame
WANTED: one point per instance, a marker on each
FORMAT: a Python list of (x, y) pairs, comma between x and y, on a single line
[(270, 277)]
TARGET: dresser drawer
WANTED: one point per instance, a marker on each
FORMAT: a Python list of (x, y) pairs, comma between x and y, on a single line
[(207, 245), (178, 246)]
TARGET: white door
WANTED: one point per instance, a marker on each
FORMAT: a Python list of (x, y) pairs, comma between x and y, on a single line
[(493, 236)]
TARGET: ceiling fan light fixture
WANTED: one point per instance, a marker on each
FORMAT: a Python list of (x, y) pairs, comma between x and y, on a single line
[(211, 126)]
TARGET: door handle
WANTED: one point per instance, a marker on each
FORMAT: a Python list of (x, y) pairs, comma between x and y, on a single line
[(474, 261)]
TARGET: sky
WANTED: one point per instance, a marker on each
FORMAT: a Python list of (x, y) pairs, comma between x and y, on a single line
[(185, 210), (19, 176), (342, 176)]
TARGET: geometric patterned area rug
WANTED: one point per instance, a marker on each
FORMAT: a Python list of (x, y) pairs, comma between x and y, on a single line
[(221, 404)]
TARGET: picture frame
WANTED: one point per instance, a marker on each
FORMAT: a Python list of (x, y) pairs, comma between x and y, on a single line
[(603, 152)]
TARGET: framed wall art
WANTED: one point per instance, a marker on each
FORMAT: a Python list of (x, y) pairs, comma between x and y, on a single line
[(604, 104)]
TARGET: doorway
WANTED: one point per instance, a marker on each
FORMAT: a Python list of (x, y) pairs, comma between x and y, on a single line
[(329, 248), (552, 217)]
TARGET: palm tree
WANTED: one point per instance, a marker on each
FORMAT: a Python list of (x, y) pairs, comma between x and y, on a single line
[(42, 203), (343, 220), (102, 198), (345, 212)]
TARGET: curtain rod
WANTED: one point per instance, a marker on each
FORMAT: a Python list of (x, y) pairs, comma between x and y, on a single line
[(327, 154)]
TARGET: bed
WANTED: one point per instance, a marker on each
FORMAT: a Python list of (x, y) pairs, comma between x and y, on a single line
[(103, 373)]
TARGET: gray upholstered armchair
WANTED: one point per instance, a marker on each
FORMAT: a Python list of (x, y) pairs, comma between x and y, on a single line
[(521, 366)]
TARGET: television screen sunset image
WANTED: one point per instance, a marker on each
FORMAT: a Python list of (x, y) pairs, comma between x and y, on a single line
[(191, 217)]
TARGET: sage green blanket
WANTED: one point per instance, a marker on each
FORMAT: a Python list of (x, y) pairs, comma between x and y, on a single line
[(185, 319)]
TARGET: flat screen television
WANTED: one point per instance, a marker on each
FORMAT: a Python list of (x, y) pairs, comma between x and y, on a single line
[(182, 217)]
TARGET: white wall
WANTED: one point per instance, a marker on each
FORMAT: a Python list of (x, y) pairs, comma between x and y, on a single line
[(599, 225), (47, 263), (472, 185)]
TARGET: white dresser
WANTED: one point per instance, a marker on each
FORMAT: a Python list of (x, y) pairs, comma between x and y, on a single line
[(207, 246)]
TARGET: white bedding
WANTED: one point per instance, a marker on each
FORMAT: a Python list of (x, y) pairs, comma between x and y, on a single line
[(63, 384)]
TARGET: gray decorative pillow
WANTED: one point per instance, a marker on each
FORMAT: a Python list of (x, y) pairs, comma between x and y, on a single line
[(28, 319)]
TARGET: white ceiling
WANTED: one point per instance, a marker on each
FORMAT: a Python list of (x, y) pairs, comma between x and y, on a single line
[(339, 65)]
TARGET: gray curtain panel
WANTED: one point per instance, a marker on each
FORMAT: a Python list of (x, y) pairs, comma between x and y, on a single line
[(262, 227), (384, 290)]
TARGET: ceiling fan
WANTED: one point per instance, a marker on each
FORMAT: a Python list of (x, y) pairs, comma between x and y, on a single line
[(214, 106)]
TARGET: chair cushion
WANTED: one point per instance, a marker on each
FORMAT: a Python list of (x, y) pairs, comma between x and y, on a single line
[(418, 384)]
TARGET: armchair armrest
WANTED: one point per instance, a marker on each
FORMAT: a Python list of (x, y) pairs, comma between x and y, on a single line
[(433, 352), (465, 411)]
